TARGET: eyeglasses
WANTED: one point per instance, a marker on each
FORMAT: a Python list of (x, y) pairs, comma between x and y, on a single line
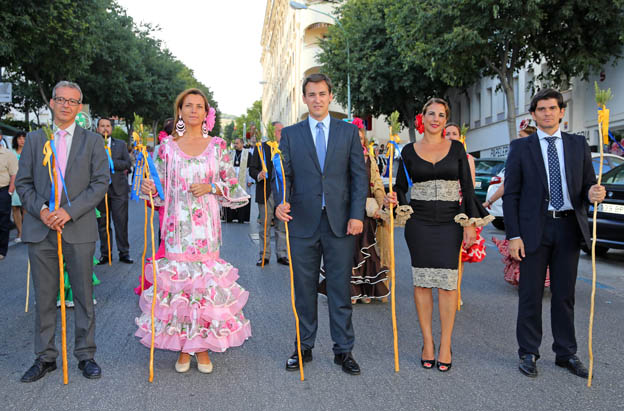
[(61, 101)]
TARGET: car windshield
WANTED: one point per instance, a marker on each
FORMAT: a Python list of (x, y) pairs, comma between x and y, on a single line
[(615, 176), (489, 167)]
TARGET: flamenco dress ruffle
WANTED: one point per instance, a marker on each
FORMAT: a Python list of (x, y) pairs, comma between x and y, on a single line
[(198, 307)]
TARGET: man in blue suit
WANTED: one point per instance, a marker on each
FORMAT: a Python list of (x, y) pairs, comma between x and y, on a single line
[(326, 185), (549, 184)]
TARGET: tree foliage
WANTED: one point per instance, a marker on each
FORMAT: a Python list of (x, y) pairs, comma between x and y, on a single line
[(121, 67), (460, 41), (251, 121), (382, 79)]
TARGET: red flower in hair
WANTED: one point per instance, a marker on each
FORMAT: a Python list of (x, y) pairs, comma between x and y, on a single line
[(444, 132), (420, 127), (357, 122)]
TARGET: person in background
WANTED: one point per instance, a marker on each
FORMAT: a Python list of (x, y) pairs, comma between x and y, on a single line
[(454, 133), (8, 170), (18, 214)]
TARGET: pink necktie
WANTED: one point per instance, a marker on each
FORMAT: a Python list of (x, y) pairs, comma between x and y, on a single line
[(61, 151)]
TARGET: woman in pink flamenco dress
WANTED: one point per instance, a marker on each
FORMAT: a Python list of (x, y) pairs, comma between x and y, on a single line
[(198, 302)]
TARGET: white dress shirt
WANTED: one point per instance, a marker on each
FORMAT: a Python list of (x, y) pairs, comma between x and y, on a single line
[(567, 203), (313, 124)]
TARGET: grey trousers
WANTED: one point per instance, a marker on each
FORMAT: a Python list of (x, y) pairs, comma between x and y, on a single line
[(45, 270), (280, 231)]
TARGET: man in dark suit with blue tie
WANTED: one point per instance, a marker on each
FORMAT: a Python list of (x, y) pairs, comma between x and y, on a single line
[(326, 185), (549, 184)]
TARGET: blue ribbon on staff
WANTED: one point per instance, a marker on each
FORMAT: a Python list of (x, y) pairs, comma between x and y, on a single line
[(52, 206), (111, 165), (409, 180), (279, 175), (139, 168)]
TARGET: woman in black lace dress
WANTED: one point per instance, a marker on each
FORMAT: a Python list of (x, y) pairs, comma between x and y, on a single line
[(437, 170)]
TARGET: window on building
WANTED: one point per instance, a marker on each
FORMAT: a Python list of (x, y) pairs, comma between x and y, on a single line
[(487, 105), (477, 108)]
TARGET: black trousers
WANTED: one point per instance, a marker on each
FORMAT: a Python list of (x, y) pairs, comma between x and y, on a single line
[(5, 219), (559, 250), (118, 209), (337, 253)]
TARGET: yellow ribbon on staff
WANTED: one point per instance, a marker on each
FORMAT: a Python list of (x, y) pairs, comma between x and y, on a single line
[(264, 186), (396, 139), (603, 120), (47, 157)]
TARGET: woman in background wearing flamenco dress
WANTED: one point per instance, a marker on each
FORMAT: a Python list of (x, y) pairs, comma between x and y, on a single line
[(198, 303)]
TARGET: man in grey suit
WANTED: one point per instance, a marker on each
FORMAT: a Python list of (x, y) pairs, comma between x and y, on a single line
[(83, 163), (326, 185), (117, 196)]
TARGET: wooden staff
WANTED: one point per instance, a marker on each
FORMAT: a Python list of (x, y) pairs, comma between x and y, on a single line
[(392, 262), (292, 282), (108, 230), (27, 286), (460, 271), (154, 290), (59, 249), (144, 248), (264, 169)]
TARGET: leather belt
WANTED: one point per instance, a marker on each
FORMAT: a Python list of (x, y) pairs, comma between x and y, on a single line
[(559, 214)]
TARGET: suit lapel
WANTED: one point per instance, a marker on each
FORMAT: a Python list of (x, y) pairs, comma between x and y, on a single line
[(73, 151), (536, 153), (332, 141), (568, 157), (309, 143)]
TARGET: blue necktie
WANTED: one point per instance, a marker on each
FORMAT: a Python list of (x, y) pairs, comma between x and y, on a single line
[(321, 150), (554, 174)]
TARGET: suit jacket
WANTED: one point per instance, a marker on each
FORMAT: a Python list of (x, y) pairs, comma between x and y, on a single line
[(343, 180), (526, 197), (121, 161), (86, 176), (255, 167)]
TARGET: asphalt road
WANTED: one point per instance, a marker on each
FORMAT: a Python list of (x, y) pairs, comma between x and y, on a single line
[(252, 377)]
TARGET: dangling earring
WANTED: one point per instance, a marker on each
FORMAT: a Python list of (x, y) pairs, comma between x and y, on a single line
[(180, 126), (205, 129)]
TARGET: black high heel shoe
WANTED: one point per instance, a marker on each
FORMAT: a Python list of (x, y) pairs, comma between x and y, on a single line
[(444, 364), (427, 364)]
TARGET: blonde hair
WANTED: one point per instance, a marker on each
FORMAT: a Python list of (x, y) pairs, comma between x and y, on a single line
[(180, 100)]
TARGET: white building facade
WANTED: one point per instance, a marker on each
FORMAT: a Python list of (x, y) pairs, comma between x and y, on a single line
[(483, 108)]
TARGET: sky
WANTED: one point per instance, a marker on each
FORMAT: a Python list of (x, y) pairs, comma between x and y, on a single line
[(218, 39)]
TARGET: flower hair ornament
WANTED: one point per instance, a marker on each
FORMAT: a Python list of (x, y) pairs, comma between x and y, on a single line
[(358, 122), (162, 135), (525, 123), (420, 127), (209, 122)]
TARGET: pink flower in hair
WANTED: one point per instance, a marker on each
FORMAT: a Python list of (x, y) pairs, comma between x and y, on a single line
[(357, 122), (210, 119), (162, 135)]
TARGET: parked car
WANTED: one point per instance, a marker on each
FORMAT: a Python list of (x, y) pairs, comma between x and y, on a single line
[(610, 161), (487, 169), (610, 216)]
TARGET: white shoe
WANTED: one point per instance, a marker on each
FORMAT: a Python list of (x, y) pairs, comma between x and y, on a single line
[(18, 240), (58, 303), (204, 368), (69, 304), (180, 367), (94, 301)]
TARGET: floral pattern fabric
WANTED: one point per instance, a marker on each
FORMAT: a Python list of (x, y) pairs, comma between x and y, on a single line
[(198, 302)]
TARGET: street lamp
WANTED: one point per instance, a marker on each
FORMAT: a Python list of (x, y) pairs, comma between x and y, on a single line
[(300, 6)]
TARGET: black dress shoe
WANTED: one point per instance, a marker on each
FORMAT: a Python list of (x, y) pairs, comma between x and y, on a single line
[(103, 260), (528, 365), (127, 260), (574, 365), (38, 370), (259, 263), (90, 369), (292, 364), (283, 261), (348, 363)]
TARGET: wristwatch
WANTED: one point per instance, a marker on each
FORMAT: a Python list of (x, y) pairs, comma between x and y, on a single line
[(213, 188)]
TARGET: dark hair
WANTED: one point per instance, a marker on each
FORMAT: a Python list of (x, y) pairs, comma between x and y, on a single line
[(316, 78), (104, 118), (274, 123), (453, 125), (17, 135), (546, 94), (168, 126)]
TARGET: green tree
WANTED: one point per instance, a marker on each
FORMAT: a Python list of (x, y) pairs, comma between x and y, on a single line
[(382, 79), (253, 117), (228, 133), (460, 41)]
